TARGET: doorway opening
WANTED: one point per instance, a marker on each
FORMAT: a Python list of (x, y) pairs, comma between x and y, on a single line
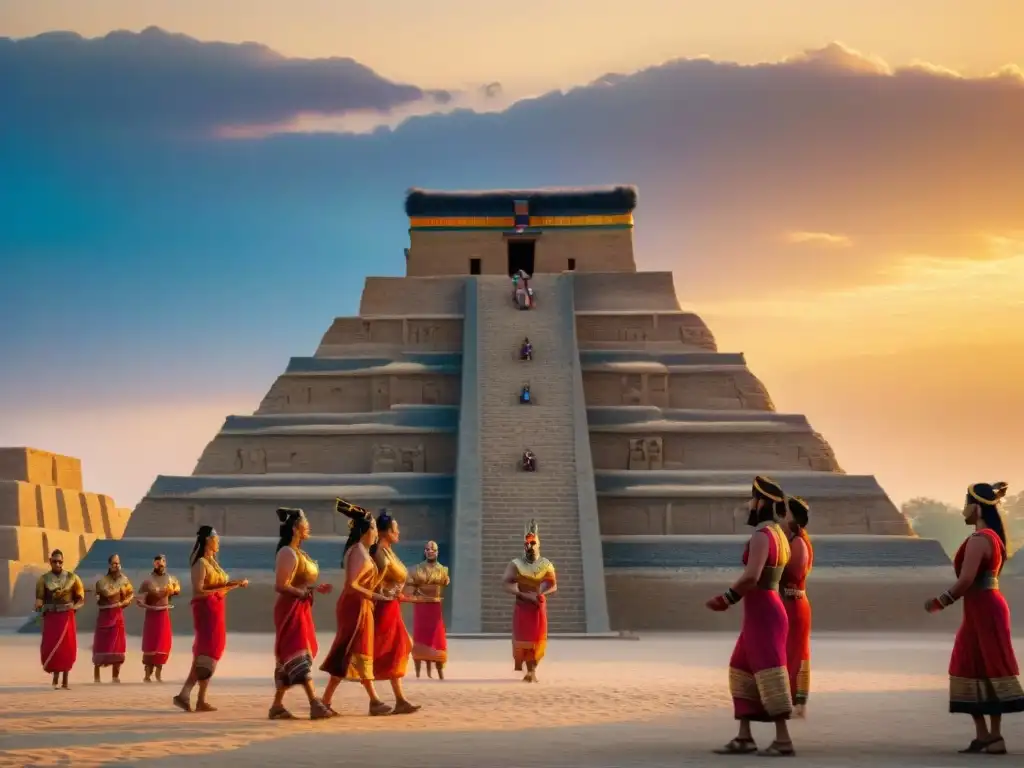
[(474, 266), (520, 256), (572, 265)]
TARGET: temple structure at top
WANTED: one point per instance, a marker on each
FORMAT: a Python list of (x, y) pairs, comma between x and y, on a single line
[(646, 437), (538, 231)]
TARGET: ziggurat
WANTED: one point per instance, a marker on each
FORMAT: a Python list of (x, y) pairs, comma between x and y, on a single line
[(646, 436)]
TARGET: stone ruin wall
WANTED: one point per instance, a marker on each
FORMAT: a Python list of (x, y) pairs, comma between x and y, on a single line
[(178, 517), (350, 336), (449, 253), (340, 393), (337, 454), (43, 507)]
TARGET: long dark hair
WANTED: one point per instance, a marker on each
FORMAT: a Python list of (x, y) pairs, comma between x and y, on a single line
[(384, 523), (289, 518), (359, 522), (202, 535), (987, 497), (800, 509)]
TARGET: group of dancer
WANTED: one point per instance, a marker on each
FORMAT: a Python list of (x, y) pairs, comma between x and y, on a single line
[(769, 671), (60, 593)]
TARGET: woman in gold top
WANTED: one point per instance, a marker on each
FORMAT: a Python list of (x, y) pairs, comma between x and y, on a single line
[(210, 584), (59, 594), (113, 593), (351, 654), (391, 642), (295, 634)]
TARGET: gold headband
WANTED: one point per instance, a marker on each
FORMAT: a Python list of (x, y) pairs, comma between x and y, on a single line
[(763, 492), (988, 502), (801, 501)]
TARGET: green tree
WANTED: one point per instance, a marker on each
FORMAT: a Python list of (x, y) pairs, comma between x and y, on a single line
[(934, 519)]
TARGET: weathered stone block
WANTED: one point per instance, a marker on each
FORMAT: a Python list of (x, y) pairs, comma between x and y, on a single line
[(33, 545), (34, 466), (18, 504)]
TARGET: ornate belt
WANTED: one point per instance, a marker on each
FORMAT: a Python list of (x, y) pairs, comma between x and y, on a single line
[(987, 581), (794, 594)]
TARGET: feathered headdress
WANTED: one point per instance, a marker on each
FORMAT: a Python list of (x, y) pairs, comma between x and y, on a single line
[(532, 532)]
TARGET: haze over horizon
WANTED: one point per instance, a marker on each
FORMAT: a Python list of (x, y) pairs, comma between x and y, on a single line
[(180, 216)]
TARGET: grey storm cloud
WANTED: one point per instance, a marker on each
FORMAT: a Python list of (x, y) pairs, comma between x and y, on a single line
[(166, 82)]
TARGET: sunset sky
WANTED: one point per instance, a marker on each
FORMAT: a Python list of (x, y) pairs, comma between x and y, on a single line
[(835, 184)]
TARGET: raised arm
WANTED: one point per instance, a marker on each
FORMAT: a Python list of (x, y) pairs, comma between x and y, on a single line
[(284, 569), (129, 593), (757, 556), (550, 584), (355, 563), (978, 547), (509, 580), (198, 574)]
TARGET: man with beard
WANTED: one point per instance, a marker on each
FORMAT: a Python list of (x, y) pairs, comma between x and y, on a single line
[(155, 597), (59, 594), (429, 639), (758, 673), (531, 579), (109, 643)]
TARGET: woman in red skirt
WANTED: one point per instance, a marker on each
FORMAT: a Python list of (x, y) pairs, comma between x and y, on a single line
[(59, 594), (295, 643), (210, 586), (983, 671), (392, 645), (351, 654), (109, 643), (758, 673), (798, 607)]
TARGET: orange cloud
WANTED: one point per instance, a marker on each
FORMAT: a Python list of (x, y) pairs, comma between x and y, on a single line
[(819, 238)]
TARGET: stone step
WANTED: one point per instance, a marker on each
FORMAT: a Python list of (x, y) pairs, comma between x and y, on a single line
[(509, 497), (61, 509)]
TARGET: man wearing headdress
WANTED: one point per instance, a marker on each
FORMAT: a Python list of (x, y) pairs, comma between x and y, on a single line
[(758, 673), (983, 671), (155, 596), (429, 640), (531, 579)]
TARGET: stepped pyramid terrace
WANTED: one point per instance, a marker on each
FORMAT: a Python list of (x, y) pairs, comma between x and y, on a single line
[(646, 436), (43, 506)]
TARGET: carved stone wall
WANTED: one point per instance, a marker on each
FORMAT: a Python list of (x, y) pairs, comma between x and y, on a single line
[(323, 393), (325, 454), (730, 389), (449, 253), (438, 333), (716, 515), (720, 450), (168, 517), (633, 331)]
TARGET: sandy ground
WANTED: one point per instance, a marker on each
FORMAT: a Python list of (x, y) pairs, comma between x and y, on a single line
[(658, 701)]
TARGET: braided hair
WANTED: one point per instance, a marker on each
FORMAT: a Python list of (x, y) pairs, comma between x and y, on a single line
[(204, 534)]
